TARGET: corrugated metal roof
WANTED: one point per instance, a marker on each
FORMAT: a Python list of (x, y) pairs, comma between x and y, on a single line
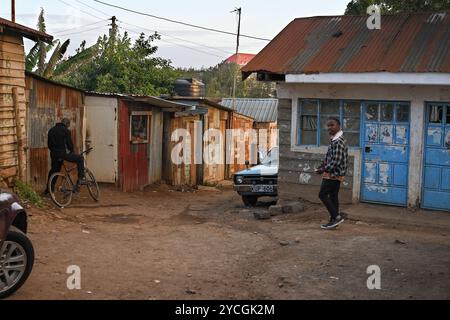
[(36, 76), (195, 101), (25, 31), (262, 110), (154, 101), (241, 58), (413, 42)]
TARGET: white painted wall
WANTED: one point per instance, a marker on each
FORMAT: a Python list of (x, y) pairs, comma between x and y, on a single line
[(101, 130), (372, 78), (416, 95)]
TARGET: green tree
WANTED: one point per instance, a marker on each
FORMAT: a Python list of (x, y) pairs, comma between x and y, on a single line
[(219, 82), (36, 59), (117, 64), (397, 6)]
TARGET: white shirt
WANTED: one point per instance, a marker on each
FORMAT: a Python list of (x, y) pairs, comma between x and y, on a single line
[(338, 135)]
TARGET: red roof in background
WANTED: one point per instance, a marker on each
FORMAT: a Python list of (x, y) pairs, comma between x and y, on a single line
[(25, 31), (241, 59), (418, 42)]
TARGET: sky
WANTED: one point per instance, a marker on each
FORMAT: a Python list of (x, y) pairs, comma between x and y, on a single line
[(185, 46)]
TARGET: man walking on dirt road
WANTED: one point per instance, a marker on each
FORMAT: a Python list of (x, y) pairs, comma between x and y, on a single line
[(333, 171)]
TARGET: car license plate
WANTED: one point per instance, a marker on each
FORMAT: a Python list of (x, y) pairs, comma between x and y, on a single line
[(262, 189)]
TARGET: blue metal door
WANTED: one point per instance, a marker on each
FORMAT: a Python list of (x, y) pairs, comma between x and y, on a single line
[(436, 185), (385, 160)]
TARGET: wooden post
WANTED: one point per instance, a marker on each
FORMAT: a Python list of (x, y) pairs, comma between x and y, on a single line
[(13, 10), (18, 134)]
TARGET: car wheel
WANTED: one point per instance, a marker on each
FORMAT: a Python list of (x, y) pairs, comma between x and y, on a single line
[(250, 201), (16, 262)]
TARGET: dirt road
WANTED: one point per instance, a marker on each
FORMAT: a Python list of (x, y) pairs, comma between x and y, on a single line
[(161, 244)]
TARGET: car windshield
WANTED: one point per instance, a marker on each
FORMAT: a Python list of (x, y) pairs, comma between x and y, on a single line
[(272, 158)]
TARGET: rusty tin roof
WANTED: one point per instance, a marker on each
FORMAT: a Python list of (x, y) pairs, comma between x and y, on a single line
[(24, 31), (414, 42)]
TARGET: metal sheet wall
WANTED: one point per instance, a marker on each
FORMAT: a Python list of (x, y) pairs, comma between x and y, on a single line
[(133, 158), (47, 104), (246, 125)]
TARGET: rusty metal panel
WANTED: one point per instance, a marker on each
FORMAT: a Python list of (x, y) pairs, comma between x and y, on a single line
[(245, 124), (272, 134), (410, 42), (40, 121), (133, 158), (39, 158), (47, 104)]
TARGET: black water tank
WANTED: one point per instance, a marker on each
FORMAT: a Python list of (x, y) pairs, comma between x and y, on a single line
[(189, 88)]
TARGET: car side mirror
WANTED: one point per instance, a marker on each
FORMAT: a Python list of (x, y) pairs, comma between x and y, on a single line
[(247, 164)]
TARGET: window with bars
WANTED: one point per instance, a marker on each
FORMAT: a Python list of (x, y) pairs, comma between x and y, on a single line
[(313, 116)]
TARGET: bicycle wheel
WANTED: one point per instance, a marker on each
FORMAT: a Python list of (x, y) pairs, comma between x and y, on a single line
[(62, 192), (92, 185)]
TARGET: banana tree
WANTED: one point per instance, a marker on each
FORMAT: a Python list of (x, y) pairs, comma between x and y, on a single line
[(36, 58)]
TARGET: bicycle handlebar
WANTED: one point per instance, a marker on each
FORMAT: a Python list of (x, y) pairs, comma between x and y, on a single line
[(87, 151)]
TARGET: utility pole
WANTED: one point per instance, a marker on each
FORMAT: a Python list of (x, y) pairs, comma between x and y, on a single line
[(112, 40), (238, 12), (113, 30), (13, 10)]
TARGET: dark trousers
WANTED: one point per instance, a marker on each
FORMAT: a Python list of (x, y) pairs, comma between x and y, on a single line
[(57, 162), (329, 195)]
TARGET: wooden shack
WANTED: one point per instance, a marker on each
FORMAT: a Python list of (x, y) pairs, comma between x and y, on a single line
[(126, 133), (265, 113), (13, 134), (206, 114)]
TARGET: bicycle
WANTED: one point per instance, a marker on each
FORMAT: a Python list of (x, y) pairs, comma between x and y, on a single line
[(64, 187)]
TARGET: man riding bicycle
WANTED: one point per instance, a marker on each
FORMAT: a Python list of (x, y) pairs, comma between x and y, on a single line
[(59, 142)]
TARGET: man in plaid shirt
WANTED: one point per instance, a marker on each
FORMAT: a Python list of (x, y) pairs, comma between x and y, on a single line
[(333, 171)]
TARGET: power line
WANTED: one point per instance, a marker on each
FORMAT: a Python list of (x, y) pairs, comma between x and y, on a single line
[(88, 13), (95, 9), (164, 34), (174, 43), (180, 45), (179, 22), (83, 31), (80, 27), (176, 38)]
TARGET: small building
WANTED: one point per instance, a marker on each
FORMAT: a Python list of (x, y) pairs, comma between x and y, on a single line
[(47, 103), (391, 90), (13, 115), (126, 133), (203, 115), (265, 114)]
